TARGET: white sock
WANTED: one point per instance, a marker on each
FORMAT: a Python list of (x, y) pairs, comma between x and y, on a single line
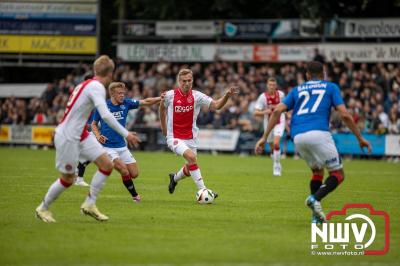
[(277, 156), (181, 174), (196, 176), (79, 179), (97, 184), (54, 191)]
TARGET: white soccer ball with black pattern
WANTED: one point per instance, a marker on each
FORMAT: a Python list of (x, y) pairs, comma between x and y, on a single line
[(204, 196)]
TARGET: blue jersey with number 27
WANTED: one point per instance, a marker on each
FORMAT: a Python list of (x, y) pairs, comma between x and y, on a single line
[(311, 103)]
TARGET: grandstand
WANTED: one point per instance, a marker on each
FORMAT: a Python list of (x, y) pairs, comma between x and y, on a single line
[(371, 91)]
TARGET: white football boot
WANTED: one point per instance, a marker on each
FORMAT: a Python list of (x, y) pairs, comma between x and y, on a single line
[(44, 215), (92, 210)]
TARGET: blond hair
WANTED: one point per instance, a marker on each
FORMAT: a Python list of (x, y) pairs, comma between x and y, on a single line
[(103, 65), (114, 85), (183, 72)]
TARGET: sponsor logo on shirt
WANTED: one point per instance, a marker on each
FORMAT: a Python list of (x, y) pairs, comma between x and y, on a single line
[(183, 109), (118, 115)]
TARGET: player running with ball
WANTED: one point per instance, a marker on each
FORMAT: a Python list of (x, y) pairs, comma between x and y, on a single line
[(311, 103), (114, 144), (178, 115)]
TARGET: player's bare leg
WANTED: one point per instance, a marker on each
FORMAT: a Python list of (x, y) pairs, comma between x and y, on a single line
[(128, 172), (105, 167), (175, 177), (194, 169), (276, 151), (55, 190), (185, 171), (271, 150)]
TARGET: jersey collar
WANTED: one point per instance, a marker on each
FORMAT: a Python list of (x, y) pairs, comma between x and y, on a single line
[(183, 94)]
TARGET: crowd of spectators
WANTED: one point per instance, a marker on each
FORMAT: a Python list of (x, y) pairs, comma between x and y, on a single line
[(371, 93)]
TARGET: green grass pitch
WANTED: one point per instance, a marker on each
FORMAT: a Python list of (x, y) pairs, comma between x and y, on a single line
[(258, 219)]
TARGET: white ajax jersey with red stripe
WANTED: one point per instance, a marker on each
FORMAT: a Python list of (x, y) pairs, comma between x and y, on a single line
[(266, 100), (182, 112), (85, 97)]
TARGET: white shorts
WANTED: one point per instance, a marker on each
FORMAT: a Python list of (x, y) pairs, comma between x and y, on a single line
[(69, 153), (276, 132), (318, 149), (120, 153), (179, 146)]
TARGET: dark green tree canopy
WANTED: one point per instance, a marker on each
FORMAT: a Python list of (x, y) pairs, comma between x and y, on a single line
[(258, 9)]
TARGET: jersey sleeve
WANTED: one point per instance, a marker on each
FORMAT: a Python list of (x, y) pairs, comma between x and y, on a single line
[(169, 96), (289, 100), (132, 104), (336, 96), (202, 99), (97, 93), (260, 103)]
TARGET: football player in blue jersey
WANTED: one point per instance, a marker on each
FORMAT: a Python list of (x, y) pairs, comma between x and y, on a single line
[(115, 145), (311, 103)]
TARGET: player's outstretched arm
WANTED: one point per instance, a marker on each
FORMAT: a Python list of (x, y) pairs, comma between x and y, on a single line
[(162, 112), (150, 101), (273, 119), (95, 129), (218, 104), (106, 115), (288, 117), (349, 122), (259, 112)]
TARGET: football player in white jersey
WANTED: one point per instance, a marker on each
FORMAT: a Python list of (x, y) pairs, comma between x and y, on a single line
[(178, 115), (73, 142), (265, 104)]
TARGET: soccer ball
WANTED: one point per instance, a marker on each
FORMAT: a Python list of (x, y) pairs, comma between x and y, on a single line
[(204, 196)]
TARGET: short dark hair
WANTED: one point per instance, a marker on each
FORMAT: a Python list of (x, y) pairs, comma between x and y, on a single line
[(315, 68)]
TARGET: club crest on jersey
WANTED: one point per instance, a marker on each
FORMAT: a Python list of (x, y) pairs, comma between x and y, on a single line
[(183, 109), (122, 107), (190, 99)]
